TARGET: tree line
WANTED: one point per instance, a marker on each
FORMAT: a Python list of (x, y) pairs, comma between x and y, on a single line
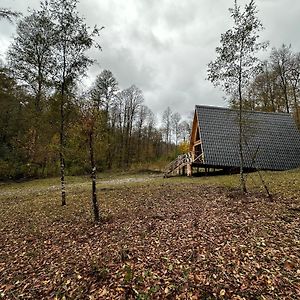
[(276, 88), (49, 125), (125, 131)]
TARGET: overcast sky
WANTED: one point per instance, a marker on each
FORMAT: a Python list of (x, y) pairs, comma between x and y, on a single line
[(164, 46)]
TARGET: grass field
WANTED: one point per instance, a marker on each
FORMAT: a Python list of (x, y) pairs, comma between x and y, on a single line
[(175, 238)]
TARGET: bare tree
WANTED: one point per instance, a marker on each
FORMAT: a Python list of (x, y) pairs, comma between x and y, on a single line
[(236, 63), (8, 14), (131, 99), (150, 131), (103, 94), (142, 115), (185, 130), (277, 87), (261, 93), (294, 80), (175, 121), (167, 126), (281, 60)]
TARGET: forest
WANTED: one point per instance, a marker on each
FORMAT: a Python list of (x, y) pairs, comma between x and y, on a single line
[(48, 121), (276, 87), (218, 237)]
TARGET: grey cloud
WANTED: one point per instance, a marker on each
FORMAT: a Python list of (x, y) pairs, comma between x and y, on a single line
[(145, 36), (164, 46), (122, 63)]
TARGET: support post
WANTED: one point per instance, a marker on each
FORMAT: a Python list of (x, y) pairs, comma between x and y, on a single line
[(189, 170)]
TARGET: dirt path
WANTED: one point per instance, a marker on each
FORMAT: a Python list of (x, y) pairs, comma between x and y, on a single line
[(15, 190)]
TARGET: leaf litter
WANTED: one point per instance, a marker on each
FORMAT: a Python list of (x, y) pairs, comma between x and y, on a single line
[(155, 241)]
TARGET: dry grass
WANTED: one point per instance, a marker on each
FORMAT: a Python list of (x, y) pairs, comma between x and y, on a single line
[(190, 238)]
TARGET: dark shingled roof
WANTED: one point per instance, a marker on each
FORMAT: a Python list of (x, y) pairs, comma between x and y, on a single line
[(272, 140)]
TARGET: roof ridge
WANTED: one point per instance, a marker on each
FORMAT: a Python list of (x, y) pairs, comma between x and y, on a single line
[(247, 111)]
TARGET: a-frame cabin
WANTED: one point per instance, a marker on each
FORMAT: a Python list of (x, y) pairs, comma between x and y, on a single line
[(196, 149), (271, 141)]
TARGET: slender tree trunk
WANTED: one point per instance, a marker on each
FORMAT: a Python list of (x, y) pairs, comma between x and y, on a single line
[(242, 177), (296, 107), (108, 137), (61, 151), (110, 150), (286, 101), (44, 167), (272, 97), (167, 140), (39, 92), (121, 146), (37, 117), (264, 185), (126, 146), (62, 132), (113, 154), (284, 86), (270, 90), (148, 144), (129, 146), (93, 176), (273, 104)]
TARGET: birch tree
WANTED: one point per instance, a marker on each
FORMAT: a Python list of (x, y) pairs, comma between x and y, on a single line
[(90, 117), (236, 63), (72, 39), (30, 55)]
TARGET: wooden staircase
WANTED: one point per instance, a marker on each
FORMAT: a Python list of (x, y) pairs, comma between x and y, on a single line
[(178, 163)]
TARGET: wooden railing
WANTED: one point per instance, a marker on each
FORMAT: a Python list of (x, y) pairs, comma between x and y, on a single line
[(199, 158), (181, 161)]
